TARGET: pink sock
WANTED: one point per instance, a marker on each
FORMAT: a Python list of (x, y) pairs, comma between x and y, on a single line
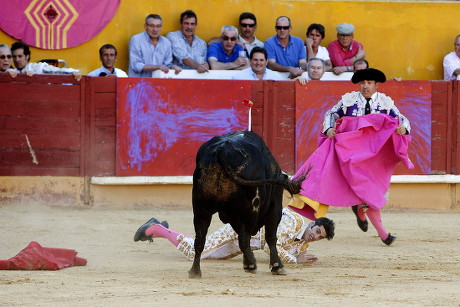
[(374, 216), (361, 214), (159, 231)]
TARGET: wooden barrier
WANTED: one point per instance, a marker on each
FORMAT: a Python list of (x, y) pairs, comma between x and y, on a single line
[(56, 126)]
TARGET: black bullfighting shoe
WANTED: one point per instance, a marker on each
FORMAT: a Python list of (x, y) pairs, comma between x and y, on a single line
[(389, 240), (140, 233), (363, 225)]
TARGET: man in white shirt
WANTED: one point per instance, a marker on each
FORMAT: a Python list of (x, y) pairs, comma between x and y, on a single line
[(21, 58), (248, 25), (258, 67), (451, 62), (189, 51), (108, 57)]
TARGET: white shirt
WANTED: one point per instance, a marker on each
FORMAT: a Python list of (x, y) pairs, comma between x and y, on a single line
[(248, 74), (248, 46), (322, 54), (45, 68), (117, 72), (451, 62)]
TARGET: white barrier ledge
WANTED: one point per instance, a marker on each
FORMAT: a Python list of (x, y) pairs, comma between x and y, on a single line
[(228, 74), (141, 180), (152, 180), (425, 179)]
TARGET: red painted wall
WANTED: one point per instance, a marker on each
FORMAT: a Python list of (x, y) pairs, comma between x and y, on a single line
[(71, 125)]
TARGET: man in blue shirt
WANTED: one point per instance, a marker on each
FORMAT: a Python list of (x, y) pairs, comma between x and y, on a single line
[(286, 53), (227, 54), (149, 51)]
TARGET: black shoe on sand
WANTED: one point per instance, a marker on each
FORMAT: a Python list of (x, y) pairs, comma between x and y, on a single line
[(140, 233), (363, 225)]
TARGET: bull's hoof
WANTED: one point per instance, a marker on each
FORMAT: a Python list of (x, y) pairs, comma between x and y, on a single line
[(249, 270), (278, 271), (252, 268), (194, 274)]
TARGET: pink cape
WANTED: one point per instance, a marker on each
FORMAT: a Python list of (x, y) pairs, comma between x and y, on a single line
[(36, 257), (356, 165)]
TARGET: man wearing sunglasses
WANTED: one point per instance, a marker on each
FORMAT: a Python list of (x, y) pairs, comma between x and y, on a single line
[(286, 53), (5, 60), (248, 25), (227, 54)]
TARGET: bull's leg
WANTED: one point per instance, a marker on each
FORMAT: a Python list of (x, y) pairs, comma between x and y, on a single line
[(249, 261), (277, 267), (201, 223)]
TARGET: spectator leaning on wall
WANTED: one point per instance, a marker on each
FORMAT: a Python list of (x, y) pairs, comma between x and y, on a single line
[(21, 58)]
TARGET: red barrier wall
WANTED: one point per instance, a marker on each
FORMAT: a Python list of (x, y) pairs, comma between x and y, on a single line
[(71, 125)]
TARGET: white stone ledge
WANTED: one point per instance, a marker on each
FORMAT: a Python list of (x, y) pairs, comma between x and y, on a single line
[(425, 179), (141, 180), (152, 180), (228, 75)]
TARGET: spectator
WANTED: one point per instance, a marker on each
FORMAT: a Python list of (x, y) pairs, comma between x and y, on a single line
[(345, 51), (189, 51), (108, 57), (315, 35), (248, 25), (258, 69), (5, 60), (451, 62), (21, 58), (315, 68), (286, 53), (227, 54), (149, 51), (360, 64)]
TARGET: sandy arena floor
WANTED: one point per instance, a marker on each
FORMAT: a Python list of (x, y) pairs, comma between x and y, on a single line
[(422, 268)]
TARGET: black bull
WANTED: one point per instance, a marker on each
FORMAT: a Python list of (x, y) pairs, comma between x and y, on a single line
[(237, 176)]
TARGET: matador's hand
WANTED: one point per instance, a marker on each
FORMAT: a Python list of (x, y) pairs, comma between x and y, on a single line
[(401, 130), (331, 133)]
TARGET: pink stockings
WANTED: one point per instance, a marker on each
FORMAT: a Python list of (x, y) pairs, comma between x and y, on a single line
[(376, 220), (158, 231)]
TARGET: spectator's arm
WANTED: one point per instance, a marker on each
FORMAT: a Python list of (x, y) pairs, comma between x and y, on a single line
[(294, 72), (239, 63), (136, 61)]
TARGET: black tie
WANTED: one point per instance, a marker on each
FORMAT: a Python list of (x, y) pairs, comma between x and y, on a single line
[(367, 110)]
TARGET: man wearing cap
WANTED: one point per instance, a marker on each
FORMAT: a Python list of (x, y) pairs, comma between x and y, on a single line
[(345, 51), (356, 160)]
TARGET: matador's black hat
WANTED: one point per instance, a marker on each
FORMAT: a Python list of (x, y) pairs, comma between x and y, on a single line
[(368, 74)]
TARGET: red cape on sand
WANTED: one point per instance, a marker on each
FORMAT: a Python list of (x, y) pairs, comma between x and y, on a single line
[(36, 257), (356, 165)]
